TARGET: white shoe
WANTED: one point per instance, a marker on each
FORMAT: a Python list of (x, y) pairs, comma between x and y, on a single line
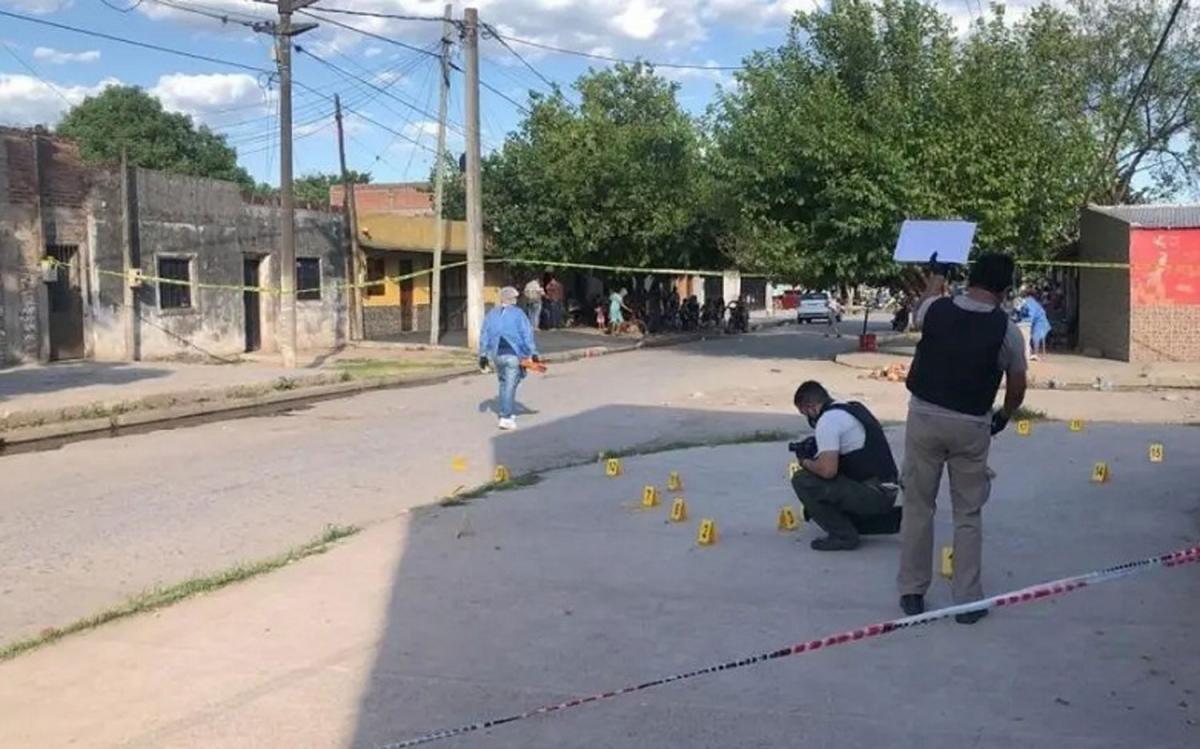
[(507, 424)]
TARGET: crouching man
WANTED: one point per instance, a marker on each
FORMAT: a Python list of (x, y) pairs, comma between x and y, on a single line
[(847, 484)]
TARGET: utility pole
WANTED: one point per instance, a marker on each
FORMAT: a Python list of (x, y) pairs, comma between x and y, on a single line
[(130, 259), (474, 196), (284, 31), (350, 211), (439, 179)]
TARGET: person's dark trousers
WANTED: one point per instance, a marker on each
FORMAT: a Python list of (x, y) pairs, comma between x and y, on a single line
[(831, 502), (556, 315)]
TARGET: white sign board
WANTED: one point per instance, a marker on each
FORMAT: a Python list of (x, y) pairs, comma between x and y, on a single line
[(951, 240)]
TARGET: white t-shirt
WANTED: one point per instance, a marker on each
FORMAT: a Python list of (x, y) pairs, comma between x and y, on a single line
[(838, 431), (533, 291)]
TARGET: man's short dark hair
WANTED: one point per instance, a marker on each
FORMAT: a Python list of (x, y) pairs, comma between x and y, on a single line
[(811, 393), (992, 271)]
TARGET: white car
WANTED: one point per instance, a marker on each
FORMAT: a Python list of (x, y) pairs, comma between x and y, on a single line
[(815, 305)]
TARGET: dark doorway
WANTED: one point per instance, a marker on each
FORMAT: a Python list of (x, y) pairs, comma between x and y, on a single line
[(406, 296), (251, 303), (66, 304)]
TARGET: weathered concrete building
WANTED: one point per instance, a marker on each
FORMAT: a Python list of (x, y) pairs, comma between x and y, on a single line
[(1145, 306), (69, 234)]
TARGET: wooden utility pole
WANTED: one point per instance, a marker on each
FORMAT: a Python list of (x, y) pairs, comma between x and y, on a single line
[(474, 195), (129, 259), (350, 211), (439, 179)]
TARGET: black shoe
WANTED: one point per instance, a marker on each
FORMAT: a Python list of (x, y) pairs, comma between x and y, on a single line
[(912, 604), (834, 543), (970, 617)]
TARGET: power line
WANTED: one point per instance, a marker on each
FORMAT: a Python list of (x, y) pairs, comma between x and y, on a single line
[(132, 42), (131, 8), (347, 74), (249, 21), (364, 32), (36, 74), (1137, 94), (491, 30), (371, 14), (606, 58)]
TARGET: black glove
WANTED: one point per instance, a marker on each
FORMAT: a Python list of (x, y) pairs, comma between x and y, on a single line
[(945, 270), (536, 358), (805, 449), (999, 421), (483, 363)]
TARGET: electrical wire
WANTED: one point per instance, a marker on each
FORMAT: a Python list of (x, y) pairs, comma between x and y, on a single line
[(607, 58), (373, 14), (132, 42), (370, 34), (491, 30), (36, 74), (131, 8), (251, 22)]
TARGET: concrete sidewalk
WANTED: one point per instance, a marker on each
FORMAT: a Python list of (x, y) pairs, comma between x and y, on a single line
[(1058, 371), (567, 588)]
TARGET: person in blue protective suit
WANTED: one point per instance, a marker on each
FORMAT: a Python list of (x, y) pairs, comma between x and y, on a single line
[(1039, 324)]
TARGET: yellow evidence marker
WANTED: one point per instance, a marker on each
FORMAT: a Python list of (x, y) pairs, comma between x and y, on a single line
[(787, 519), (1156, 452), (678, 510), (458, 463), (1076, 425), (612, 467), (793, 469), (708, 532), (500, 475), (650, 496), (947, 561), (1100, 472), (1024, 427), (674, 483)]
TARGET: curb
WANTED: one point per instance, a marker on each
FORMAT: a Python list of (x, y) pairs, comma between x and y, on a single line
[(55, 435)]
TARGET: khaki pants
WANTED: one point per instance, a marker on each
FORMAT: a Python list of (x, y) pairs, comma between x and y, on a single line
[(962, 445)]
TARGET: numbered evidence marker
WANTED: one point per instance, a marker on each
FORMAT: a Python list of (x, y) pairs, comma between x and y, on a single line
[(1076, 425), (458, 463), (787, 519), (707, 536), (1100, 472), (1024, 427), (678, 510), (612, 467), (793, 469), (947, 561), (1156, 452), (674, 483), (500, 475), (650, 496)]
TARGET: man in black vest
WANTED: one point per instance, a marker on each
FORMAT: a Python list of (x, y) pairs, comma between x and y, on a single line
[(847, 481), (967, 345)]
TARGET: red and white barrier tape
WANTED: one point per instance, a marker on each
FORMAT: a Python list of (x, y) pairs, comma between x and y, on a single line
[(1024, 595)]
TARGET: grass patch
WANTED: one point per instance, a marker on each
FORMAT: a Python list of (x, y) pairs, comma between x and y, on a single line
[(1028, 414), (516, 482), (157, 598), (663, 447)]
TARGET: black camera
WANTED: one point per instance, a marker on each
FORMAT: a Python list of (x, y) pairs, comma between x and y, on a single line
[(805, 449)]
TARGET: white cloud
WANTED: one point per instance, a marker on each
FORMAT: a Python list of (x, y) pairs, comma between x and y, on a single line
[(207, 95), (58, 57), (40, 7), (25, 100), (372, 51)]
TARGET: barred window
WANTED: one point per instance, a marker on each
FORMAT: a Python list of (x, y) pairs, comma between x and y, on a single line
[(308, 279), (175, 291)]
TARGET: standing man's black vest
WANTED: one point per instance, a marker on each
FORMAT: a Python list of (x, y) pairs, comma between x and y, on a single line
[(957, 361), (874, 459)]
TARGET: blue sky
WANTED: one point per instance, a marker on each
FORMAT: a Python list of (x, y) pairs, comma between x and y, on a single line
[(44, 69)]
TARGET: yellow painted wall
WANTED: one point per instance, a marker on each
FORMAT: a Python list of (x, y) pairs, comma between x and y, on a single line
[(390, 231), (391, 289)]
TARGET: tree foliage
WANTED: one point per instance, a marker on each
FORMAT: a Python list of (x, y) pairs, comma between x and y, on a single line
[(314, 188), (126, 118)]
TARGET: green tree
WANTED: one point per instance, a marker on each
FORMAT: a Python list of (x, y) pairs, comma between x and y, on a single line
[(314, 188), (126, 118), (616, 179)]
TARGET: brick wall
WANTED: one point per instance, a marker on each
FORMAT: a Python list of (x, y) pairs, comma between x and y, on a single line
[(409, 199), (1165, 294), (1104, 293)]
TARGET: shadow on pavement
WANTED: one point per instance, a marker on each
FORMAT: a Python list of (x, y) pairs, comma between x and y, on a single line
[(438, 623), (41, 379)]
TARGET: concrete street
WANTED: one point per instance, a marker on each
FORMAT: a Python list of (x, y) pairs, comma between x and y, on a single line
[(567, 588), (84, 527)]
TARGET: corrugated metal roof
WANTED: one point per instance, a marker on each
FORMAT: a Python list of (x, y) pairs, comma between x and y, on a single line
[(1153, 216)]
